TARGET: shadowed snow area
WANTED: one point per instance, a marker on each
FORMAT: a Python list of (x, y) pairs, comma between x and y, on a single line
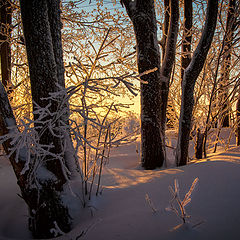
[(122, 213)]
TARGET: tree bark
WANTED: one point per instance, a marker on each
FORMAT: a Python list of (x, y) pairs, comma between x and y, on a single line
[(187, 36), (54, 16), (5, 38), (163, 41), (199, 144), (7, 122), (168, 61), (42, 178), (189, 79), (238, 119), (54, 19), (226, 65), (43, 194), (154, 94), (43, 71), (142, 14)]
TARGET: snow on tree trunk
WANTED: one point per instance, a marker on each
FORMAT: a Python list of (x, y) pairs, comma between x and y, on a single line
[(153, 94), (189, 80), (7, 121)]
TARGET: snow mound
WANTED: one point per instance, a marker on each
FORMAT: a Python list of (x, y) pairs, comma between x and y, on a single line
[(122, 212)]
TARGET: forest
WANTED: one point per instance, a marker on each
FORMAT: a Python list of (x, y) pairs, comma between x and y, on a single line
[(119, 119)]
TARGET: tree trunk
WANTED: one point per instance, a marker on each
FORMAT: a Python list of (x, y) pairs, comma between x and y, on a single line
[(5, 37), (199, 145), (168, 61), (187, 36), (189, 80), (238, 120), (142, 14), (54, 15), (43, 194), (7, 121), (226, 65), (154, 94), (42, 177), (163, 41), (186, 48), (43, 72), (43, 199)]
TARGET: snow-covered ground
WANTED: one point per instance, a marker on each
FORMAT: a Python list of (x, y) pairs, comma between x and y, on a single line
[(122, 212)]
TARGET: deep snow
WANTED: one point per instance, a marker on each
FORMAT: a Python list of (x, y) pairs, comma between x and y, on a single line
[(122, 212)]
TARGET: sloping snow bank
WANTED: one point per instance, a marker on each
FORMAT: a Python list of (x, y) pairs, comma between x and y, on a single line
[(122, 213), (13, 211)]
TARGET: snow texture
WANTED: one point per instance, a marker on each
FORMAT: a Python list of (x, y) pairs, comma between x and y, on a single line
[(122, 212)]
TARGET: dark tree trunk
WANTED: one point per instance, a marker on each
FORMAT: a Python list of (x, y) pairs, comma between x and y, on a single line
[(54, 15), (7, 120), (199, 145), (142, 14), (168, 61), (5, 37), (42, 177), (163, 41), (187, 36), (154, 94), (43, 71), (189, 80), (226, 65), (186, 45), (238, 120), (168, 44), (55, 27), (42, 39)]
